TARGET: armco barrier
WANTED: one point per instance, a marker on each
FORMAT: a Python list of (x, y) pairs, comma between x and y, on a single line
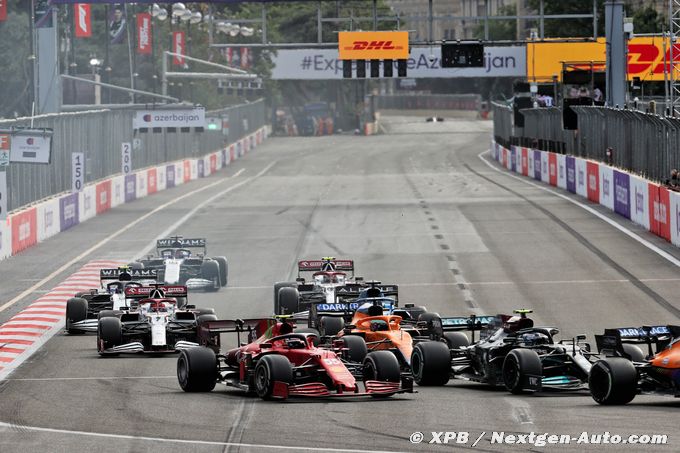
[(645, 203), (47, 218)]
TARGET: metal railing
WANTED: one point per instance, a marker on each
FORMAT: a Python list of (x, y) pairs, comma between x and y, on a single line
[(99, 135), (640, 142), (471, 102)]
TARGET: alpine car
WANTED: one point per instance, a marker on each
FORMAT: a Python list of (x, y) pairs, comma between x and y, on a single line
[(279, 363), (83, 310), (626, 370), (511, 351), (157, 325), (176, 264)]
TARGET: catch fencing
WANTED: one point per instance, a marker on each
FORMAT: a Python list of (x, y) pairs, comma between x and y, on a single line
[(100, 134), (472, 102), (642, 143)]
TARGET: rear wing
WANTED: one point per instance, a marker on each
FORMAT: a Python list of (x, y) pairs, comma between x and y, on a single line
[(352, 290), (611, 342), (330, 264), (209, 332), (455, 323), (177, 242), (147, 292), (127, 274)]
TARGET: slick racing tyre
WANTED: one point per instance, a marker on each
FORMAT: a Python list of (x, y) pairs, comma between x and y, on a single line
[(456, 340), (205, 318), (108, 314), (224, 269), (197, 369), (210, 270), (518, 366), (109, 333), (270, 369), (277, 287), (356, 348), (634, 351), (76, 310), (289, 301), (613, 381), (381, 366), (431, 363), (330, 325)]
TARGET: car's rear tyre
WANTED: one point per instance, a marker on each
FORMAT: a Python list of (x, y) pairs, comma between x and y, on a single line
[(431, 363), (518, 364), (76, 310), (315, 332), (108, 314), (415, 312), (330, 325), (224, 269), (201, 319), (277, 287), (197, 369), (613, 381), (109, 333), (289, 300), (356, 348), (210, 270), (270, 369), (456, 340), (634, 351)]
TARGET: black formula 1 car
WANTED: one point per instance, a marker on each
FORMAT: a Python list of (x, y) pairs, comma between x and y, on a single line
[(277, 363), (177, 264), (511, 351), (82, 311), (156, 325), (626, 370)]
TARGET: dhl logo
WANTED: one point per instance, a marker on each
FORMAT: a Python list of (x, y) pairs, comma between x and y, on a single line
[(372, 45), (644, 59)]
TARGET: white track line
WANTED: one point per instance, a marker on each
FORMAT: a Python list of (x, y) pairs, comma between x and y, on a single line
[(662, 253), (130, 225), (22, 429)]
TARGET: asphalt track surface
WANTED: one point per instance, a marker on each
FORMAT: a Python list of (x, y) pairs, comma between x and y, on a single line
[(417, 207)]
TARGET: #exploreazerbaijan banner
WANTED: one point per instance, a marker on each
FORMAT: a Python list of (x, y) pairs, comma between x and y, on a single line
[(324, 64)]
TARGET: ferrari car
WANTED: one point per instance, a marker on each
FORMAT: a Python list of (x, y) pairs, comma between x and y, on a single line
[(83, 310), (626, 370), (330, 284), (511, 351), (176, 263), (278, 363), (157, 325)]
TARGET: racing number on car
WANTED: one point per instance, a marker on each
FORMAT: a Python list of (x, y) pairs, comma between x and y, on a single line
[(126, 158), (78, 171), (332, 362)]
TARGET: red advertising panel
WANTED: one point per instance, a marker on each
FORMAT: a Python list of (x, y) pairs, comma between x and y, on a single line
[(659, 211), (24, 230), (525, 161), (232, 153), (152, 184), (103, 196), (593, 180), (552, 168), (178, 44), (82, 16), (144, 36), (187, 171), (3, 10), (213, 163)]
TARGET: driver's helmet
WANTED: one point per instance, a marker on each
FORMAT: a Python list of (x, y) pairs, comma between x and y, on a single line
[(295, 343), (516, 323), (534, 339), (182, 253), (378, 325)]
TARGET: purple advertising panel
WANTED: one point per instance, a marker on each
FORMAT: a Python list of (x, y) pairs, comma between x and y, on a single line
[(514, 151), (225, 160), (170, 176), (68, 211), (130, 188), (622, 193), (201, 168), (537, 165), (571, 174)]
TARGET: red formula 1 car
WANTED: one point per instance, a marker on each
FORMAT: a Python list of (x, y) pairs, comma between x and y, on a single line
[(280, 363)]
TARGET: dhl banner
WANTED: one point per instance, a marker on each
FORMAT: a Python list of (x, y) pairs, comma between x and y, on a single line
[(373, 45), (645, 57)]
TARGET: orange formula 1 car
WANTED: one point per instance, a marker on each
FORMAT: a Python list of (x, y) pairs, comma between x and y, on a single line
[(623, 373)]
